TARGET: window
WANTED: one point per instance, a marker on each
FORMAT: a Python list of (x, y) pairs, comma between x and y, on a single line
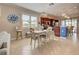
[(33, 21), (29, 21), (26, 21), (74, 22), (70, 22)]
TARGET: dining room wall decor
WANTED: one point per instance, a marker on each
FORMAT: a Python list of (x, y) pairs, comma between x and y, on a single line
[(12, 18)]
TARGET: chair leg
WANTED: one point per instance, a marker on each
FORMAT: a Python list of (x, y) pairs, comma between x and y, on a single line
[(34, 43), (40, 39), (31, 42), (21, 36), (38, 42), (17, 36)]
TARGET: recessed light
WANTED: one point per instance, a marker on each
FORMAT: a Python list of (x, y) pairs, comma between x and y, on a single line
[(63, 14), (75, 7)]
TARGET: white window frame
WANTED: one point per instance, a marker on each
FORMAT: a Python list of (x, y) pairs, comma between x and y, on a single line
[(30, 21)]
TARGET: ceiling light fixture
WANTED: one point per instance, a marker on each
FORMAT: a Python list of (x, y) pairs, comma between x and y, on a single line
[(51, 4), (65, 15)]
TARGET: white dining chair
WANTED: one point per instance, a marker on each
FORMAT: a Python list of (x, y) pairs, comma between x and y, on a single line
[(43, 36), (34, 37)]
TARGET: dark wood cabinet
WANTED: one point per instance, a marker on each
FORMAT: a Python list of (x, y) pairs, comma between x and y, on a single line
[(44, 20), (48, 21)]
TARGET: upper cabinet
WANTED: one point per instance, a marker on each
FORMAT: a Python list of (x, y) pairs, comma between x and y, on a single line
[(49, 21)]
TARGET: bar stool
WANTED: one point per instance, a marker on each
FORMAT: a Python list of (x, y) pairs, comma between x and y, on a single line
[(18, 34)]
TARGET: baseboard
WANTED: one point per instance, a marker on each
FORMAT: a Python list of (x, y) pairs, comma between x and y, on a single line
[(12, 39)]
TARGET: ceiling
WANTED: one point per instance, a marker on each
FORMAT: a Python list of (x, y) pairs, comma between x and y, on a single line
[(58, 9)]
